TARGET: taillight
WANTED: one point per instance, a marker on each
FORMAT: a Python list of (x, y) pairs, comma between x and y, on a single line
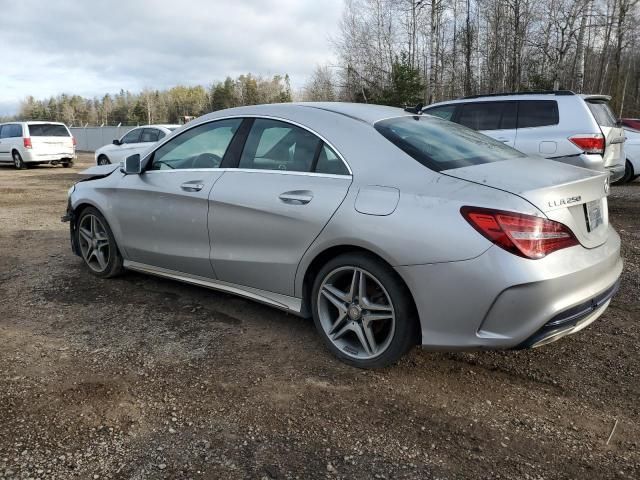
[(27, 142), (74, 141), (589, 143), (523, 235)]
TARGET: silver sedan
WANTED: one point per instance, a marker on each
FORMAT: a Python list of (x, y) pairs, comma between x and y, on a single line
[(389, 228)]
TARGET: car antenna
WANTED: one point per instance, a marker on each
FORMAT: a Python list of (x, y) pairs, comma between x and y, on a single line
[(417, 109)]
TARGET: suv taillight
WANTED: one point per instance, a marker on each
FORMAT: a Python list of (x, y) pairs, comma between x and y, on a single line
[(523, 235), (589, 143), (74, 141), (27, 142)]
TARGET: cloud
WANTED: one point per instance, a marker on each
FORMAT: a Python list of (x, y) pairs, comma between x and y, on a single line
[(99, 46)]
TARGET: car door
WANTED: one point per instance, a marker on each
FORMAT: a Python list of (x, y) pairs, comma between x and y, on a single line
[(495, 119), (162, 213), (5, 149), (266, 213), (538, 128)]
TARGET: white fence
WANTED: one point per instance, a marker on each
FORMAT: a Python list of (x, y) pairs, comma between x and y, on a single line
[(91, 138)]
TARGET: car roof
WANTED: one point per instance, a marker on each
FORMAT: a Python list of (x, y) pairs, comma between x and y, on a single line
[(362, 112)]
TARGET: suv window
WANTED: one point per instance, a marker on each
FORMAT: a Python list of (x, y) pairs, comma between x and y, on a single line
[(11, 130), (48, 130), (133, 136), (603, 114), (441, 145), (275, 145), (537, 113), (150, 135), (203, 146), (329, 162), (488, 115), (445, 112)]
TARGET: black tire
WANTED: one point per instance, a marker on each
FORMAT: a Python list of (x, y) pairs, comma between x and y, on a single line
[(67, 164), (18, 162), (113, 266), (103, 160), (406, 332), (628, 174)]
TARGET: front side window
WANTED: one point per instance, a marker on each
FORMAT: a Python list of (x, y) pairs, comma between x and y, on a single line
[(445, 112), (537, 113), (203, 146), (488, 115), (48, 130), (275, 145), (441, 145), (133, 136)]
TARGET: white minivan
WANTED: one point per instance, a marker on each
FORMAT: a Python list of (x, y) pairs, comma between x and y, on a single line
[(559, 125), (28, 143)]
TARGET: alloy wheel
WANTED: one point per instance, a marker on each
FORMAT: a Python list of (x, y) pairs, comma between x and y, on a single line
[(17, 161), (356, 312), (94, 243)]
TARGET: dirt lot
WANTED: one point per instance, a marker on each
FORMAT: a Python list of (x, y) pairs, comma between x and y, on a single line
[(139, 377)]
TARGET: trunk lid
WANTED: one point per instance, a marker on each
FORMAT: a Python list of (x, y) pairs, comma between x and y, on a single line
[(613, 133), (50, 139), (574, 196)]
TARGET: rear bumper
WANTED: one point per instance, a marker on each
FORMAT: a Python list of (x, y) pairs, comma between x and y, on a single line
[(30, 156), (499, 300)]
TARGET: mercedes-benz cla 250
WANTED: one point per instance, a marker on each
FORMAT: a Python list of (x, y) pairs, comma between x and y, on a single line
[(390, 229)]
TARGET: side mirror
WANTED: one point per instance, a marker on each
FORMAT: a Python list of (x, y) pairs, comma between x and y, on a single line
[(132, 165), (117, 142)]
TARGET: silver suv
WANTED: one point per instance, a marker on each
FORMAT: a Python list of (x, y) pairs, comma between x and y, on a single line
[(559, 125)]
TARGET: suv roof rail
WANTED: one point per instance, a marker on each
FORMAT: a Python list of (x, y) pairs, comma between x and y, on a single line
[(531, 92)]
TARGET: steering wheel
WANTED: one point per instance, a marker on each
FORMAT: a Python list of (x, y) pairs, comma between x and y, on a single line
[(207, 160)]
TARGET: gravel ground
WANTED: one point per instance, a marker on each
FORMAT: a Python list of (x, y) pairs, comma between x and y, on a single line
[(140, 377)]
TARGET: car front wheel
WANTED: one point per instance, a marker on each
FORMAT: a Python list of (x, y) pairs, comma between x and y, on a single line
[(363, 311), (97, 244), (103, 160)]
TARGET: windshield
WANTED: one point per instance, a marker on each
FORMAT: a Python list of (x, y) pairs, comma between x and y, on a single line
[(441, 145), (48, 130)]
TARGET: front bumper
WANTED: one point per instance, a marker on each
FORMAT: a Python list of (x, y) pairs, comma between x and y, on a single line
[(499, 300)]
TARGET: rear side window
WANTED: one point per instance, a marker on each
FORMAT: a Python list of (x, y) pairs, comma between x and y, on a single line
[(537, 113), (48, 130), (488, 115), (441, 145), (603, 114), (275, 145), (445, 112), (329, 162), (150, 135), (11, 131)]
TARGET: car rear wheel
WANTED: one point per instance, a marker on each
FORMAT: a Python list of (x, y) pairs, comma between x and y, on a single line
[(363, 312), (67, 164), (18, 162), (628, 174), (103, 160), (97, 244)]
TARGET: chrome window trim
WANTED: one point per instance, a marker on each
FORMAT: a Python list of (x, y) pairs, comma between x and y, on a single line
[(253, 115), (251, 170)]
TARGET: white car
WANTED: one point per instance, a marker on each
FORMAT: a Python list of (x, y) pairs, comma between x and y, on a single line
[(632, 151), (559, 125), (28, 143), (138, 140)]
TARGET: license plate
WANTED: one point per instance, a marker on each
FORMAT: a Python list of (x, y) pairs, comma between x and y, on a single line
[(593, 212)]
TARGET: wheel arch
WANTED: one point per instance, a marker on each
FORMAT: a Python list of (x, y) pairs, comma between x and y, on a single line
[(322, 257)]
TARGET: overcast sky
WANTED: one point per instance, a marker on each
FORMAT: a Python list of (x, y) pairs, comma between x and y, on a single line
[(91, 47)]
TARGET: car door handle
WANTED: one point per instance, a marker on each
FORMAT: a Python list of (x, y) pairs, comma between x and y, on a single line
[(194, 186), (296, 197)]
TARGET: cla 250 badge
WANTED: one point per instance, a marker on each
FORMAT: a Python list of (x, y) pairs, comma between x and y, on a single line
[(564, 201)]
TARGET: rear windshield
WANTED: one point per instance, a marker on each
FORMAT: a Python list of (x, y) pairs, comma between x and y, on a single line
[(48, 130), (603, 114), (441, 145)]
